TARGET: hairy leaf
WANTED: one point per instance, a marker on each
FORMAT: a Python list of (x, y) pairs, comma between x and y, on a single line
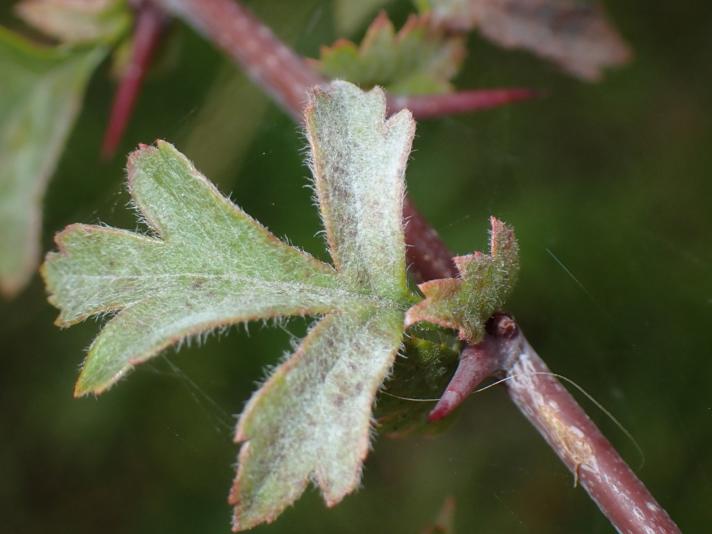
[(575, 34), (77, 21), (40, 95), (311, 419), (417, 60), (208, 264), (485, 282)]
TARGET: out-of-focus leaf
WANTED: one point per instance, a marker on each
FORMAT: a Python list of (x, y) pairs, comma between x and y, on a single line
[(348, 15), (485, 283), (575, 34), (430, 356), (418, 59), (209, 264), (40, 95), (77, 21), (223, 128)]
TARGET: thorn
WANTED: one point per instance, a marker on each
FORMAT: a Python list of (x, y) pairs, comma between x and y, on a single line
[(447, 404), (477, 363), (461, 101), (150, 21)]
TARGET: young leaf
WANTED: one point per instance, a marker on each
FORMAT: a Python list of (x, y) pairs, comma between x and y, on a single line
[(485, 282), (417, 60), (209, 264), (70, 21), (575, 34), (40, 94)]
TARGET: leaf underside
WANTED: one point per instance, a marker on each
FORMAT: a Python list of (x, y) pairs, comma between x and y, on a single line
[(484, 285), (418, 59), (423, 369), (206, 263), (574, 34), (40, 96)]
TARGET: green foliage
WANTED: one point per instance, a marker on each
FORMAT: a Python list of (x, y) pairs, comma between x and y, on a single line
[(429, 359), (485, 283), (209, 264), (40, 95), (70, 21), (417, 60)]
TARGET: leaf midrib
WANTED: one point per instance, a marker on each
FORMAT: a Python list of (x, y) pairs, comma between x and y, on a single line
[(347, 295)]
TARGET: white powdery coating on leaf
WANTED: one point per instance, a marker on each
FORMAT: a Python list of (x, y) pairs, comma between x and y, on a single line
[(208, 264), (310, 421), (358, 160)]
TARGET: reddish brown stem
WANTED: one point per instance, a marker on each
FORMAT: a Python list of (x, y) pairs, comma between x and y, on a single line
[(427, 255), (620, 495), (576, 440), (287, 77), (476, 365), (427, 106), (284, 75), (150, 21)]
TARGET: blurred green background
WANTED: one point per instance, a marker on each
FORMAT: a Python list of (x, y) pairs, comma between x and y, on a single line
[(609, 188)]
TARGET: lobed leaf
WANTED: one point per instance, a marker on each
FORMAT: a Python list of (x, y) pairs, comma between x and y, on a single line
[(358, 161), (40, 95), (207, 263), (485, 283), (311, 420), (417, 60), (574, 34)]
